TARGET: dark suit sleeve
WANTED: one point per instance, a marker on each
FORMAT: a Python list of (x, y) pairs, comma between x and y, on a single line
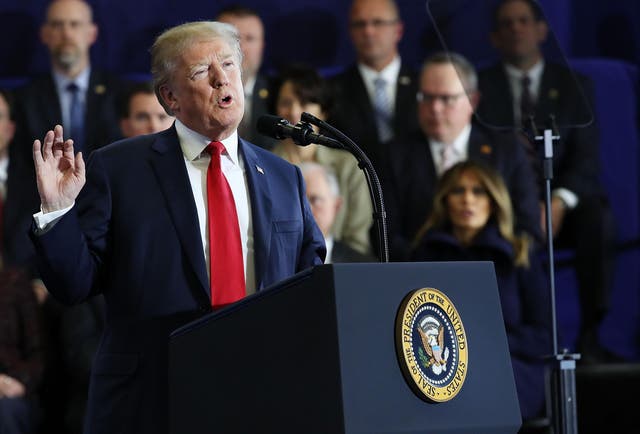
[(70, 258), (578, 161), (523, 188)]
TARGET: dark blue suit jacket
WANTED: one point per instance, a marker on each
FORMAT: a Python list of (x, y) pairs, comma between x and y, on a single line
[(134, 236)]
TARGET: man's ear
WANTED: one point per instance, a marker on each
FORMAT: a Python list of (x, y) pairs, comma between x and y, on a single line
[(124, 127), (339, 202), (542, 31), (399, 31), (168, 97), (93, 33), (474, 99), (44, 34), (495, 39)]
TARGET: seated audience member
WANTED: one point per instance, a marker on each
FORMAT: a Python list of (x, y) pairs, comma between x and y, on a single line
[(21, 354), (448, 134), (140, 111), (525, 84), (323, 194), (472, 220), (301, 89)]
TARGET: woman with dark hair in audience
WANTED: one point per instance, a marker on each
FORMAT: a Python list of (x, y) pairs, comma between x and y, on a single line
[(472, 220), (301, 89)]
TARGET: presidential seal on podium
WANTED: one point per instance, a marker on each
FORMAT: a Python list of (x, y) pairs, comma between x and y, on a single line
[(431, 345)]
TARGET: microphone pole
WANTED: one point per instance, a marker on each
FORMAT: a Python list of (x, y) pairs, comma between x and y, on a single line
[(373, 182), (563, 376)]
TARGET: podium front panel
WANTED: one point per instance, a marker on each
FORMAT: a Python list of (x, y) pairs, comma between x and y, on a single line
[(316, 354), (376, 396)]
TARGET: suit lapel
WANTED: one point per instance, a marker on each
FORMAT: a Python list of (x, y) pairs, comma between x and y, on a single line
[(503, 110), (360, 98), (168, 165), (406, 89), (49, 106), (479, 148), (547, 97), (95, 93), (261, 208)]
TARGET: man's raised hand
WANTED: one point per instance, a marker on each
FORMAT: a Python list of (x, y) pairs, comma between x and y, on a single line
[(60, 175)]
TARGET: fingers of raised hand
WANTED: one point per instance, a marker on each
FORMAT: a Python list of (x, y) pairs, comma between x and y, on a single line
[(58, 142), (79, 165), (47, 143), (67, 149)]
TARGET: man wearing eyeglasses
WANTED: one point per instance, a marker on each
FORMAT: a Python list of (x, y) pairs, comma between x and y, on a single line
[(446, 98), (376, 96)]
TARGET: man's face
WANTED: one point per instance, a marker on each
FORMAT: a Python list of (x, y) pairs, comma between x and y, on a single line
[(518, 35), (251, 33), (324, 204), (68, 33), (146, 116), (7, 127), (445, 108), (205, 91), (375, 31)]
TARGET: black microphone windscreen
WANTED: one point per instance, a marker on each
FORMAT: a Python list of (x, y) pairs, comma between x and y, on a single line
[(269, 125)]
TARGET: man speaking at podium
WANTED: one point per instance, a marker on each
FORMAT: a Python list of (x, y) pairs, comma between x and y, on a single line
[(169, 225)]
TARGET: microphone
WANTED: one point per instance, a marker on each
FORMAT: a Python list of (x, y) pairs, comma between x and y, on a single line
[(301, 133)]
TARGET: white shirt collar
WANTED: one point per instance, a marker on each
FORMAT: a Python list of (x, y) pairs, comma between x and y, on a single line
[(535, 75), (328, 242), (82, 81), (389, 73), (460, 143), (249, 85), (193, 143)]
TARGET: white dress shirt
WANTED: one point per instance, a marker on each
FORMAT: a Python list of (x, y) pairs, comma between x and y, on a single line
[(460, 148)]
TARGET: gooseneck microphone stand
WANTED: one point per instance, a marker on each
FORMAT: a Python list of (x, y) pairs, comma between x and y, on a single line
[(563, 376), (373, 182)]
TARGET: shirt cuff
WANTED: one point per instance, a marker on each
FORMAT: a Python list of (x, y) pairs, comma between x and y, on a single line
[(44, 222), (569, 198)]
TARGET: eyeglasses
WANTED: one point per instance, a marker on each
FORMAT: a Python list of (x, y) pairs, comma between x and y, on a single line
[(446, 100), (377, 23)]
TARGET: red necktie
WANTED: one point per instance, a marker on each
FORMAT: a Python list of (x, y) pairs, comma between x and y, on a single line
[(226, 264)]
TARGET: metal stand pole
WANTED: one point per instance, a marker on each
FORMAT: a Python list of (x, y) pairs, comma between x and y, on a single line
[(563, 376)]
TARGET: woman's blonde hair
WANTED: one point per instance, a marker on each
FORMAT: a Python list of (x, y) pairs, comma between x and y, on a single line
[(501, 209)]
